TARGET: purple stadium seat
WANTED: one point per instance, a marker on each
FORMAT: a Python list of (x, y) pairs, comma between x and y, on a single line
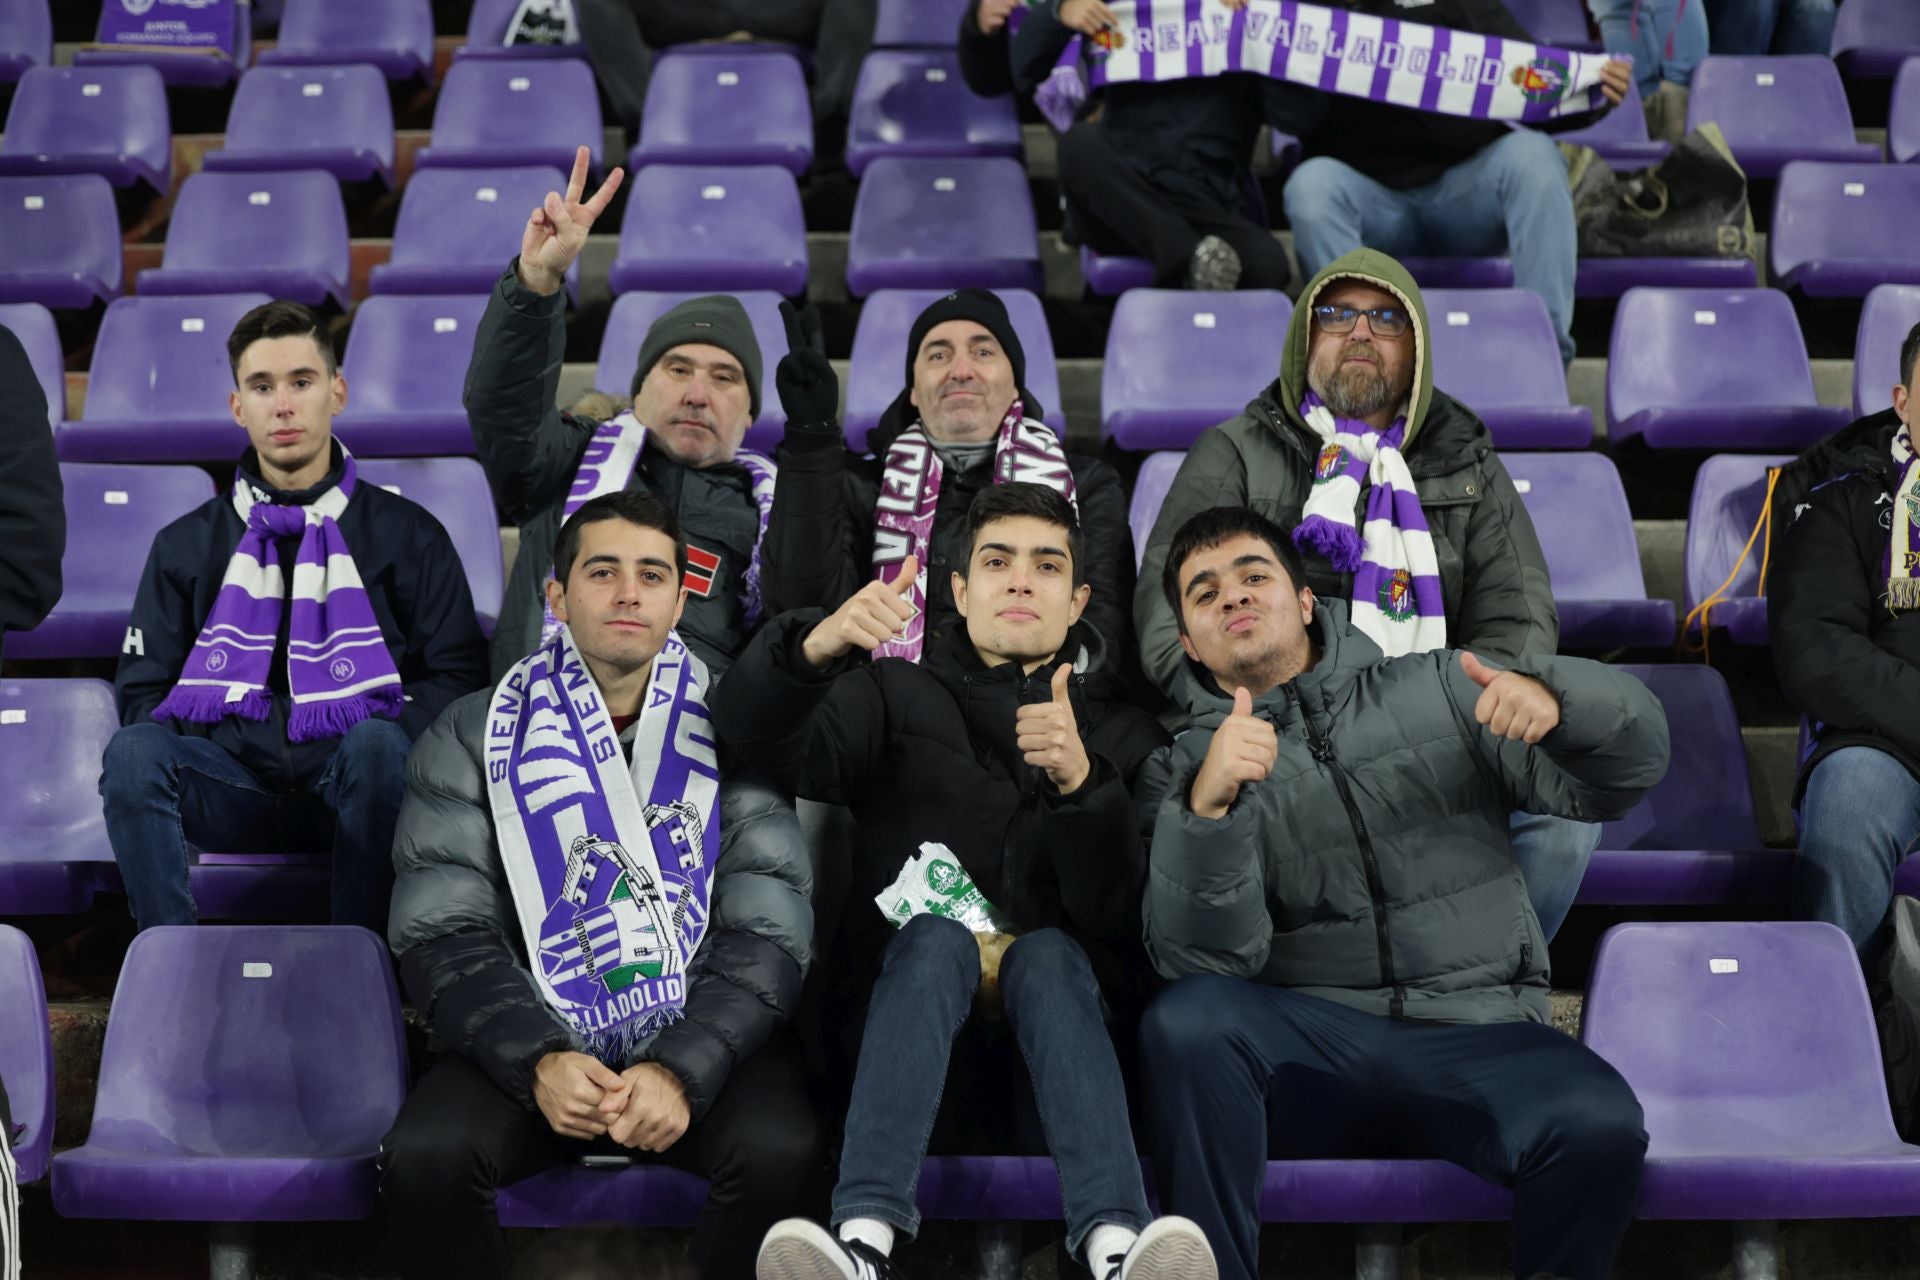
[(1580, 512), (487, 33), (1561, 23), (33, 325), (1620, 136), (106, 120), (59, 240), (454, 491), (924, 24), (248, 1075), (943, 223), (499, 113), (1871, 38), (394, 35), (1889, 315), (880, 354), (1773, 110), (1841, 229), (1612, 277), (459, 228), (1460, 273), (712, 229), (184, 69), (280, 233), (914, 103), (335, 118), (634, 313), (1149, 495), (1728, 492), (715, 109), (1712, 369), (26, 37), (1109, 277), (1906, 878), (406, 367), (26, 1053), (54, 853), (1496, 352), (1903, 114), (1752, 1050), (1178, 362), (160, 381), (112, 514)]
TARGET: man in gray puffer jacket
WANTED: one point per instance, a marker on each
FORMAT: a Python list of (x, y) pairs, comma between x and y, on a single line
[(1361, 973)]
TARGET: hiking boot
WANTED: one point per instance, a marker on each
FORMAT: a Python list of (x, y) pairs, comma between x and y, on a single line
[(797, 1249), (1169, 1249), (1666, 112), (1215, 265)]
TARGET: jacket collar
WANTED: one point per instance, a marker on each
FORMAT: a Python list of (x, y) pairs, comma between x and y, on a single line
[(1345, 651), (250, 472)]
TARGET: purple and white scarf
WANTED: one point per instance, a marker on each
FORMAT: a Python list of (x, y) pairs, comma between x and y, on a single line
[(1025, 450), (610, 864), (1396, 576), (1903, 550), (608, 464), (1409, 64), (339, 671)]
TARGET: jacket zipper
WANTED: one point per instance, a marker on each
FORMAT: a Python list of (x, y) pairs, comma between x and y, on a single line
[(1322, 749)]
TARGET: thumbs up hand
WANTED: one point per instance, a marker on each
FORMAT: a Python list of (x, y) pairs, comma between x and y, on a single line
[(873, 615), (1512, 706), (1243, 750), (1049, 737)]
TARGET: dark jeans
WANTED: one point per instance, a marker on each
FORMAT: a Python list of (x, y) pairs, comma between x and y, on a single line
[(1237, 1073), (459, 1137), (1053, 1006), (164, 790)]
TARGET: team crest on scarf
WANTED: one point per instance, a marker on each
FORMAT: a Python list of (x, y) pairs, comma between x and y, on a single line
[(1913, 511), (1545, 79), (1396, 595), (1333, 460)]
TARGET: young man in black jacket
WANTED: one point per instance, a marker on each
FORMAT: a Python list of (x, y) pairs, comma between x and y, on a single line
[(288, 642), (1009, 745), (33, 523)]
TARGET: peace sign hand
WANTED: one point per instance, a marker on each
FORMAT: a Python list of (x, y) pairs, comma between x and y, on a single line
[(809, 390), (558, 229)]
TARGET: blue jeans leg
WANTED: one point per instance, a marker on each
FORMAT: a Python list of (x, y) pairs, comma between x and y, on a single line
[(1804, 26), (1665, 38), (1334, 209), (363, 785), (1552, 854), (1859, 817)]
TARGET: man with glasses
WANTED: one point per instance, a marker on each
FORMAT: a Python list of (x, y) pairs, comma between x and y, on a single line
[(1397, 502)]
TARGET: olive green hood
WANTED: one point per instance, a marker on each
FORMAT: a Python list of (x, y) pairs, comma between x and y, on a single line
[(1382, 272)]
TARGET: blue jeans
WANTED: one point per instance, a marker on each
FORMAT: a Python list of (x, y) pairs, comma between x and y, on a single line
[(1511, 197), (1760, 27), (164, 790), (1235, 1073), (1665, 38), (1552, 854), (1053, 1006), (1859, 816)]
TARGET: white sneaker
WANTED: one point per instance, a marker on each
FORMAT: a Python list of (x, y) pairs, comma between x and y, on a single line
[(1170, 1248), (798, 1249)]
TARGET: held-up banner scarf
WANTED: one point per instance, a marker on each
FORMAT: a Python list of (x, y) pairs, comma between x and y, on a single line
[(910, 495), (1903, 551), (608, 464), (1410, 64), (610, 864)]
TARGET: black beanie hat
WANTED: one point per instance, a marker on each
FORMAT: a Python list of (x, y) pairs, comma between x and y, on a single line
[(716, 320), (979, 306)]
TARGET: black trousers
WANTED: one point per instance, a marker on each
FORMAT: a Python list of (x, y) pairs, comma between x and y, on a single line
[(459, 1137), (1120, 210)]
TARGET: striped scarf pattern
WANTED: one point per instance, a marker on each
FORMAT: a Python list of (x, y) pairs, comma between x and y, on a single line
[(1903, 557)]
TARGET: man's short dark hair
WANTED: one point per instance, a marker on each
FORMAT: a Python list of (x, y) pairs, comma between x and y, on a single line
[(277, 320), (1020, 498), (1214, 526), (1908, 351), (632, 505)]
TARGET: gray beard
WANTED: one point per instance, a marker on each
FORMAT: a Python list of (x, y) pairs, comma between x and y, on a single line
[(1359, 393)]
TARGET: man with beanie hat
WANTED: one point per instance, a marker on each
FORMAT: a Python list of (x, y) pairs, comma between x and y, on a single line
[(696, 389), (964, 422)]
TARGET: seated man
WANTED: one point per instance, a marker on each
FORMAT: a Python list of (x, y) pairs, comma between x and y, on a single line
[(1010, 745), (1350, 429), (1843, 607), (576, 815), (1359, 971), (696, 390), (964, 423), (288, 642)]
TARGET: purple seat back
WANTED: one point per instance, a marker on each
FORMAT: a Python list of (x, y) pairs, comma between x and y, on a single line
[(943, 223), (1890, 313), (1841, 229), (189, 72), (59, 240), (487, 34), (1149, 494), (406, 369), (335, 118), (1110, 275), (280, 233), (923, 24), (1871, 38), (454, 491), (1579, 509), (1178, 362), (634, 313), (1612, 277), (54, 852), (106, 120), (1460, 273), (712, 229), (459, 228), (1903, 113), (33, 325), (1728, 493), (26, 1052), (912, 102), (1496, 351), (878, 367), (1561, 23), (497, 113), (394, 35), (1773, 110), (739, 108), (1620, 135), (1706, 799), (26, 37)]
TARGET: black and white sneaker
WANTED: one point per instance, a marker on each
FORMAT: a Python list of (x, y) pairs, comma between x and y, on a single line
[(798, 1249), (1169, 1249), (1215, 265)]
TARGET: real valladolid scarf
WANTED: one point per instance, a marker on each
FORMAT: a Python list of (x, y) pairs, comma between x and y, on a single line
[(1024, 450), (1390, 60), (610, 864), (339, 671), (1903, 558), (608, 464)]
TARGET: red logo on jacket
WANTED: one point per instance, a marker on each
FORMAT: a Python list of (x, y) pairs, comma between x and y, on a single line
[(702, 565)]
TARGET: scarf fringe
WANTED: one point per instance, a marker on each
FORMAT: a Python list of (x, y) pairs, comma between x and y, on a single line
[(616, 1046), (208, 704), (1340, 544), (1903, 594), (314, 721)]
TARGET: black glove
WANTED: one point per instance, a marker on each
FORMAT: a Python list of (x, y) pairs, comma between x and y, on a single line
[(809, 389)]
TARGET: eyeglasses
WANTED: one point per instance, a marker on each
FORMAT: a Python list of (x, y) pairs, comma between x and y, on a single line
[(1386, 322)]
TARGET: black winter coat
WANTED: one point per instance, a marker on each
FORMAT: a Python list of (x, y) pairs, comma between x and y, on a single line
[(33, 522)]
